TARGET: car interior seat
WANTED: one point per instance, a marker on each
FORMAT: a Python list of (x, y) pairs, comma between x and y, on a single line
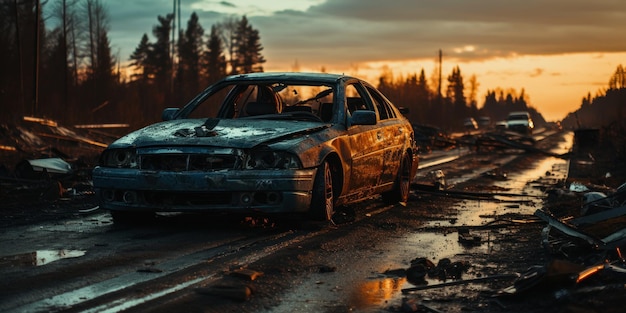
[(326, 111), (355, 103), (260, 108)]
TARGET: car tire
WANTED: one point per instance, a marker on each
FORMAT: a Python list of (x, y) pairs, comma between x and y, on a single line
[(323, 197), (402, 186)]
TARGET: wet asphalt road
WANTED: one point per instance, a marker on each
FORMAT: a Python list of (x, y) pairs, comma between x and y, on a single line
[(87, 264)]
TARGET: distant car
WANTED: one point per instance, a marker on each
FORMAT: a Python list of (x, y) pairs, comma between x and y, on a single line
[(470, 123), (484, 122), (501, 126), (266, 143), (520, 122)]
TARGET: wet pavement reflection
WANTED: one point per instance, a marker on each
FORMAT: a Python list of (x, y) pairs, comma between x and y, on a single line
[(39, 258)]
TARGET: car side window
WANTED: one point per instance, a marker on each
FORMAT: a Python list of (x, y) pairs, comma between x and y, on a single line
[(355, 100), (384, 109)]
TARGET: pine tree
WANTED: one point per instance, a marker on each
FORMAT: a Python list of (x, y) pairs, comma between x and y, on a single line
[(214, 59), (618, 79), (455, 97), (248, 48), (160, 59), (190, 51), (140, 62)]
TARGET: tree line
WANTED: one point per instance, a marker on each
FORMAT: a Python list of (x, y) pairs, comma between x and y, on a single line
[(430, 104), (81, 80), (607, 107), (59, 65)]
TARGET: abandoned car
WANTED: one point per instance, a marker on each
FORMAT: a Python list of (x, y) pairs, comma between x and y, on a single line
[(296, 143)]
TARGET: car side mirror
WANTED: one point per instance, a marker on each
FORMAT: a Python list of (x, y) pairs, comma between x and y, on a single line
[(404, 110), (363, 117), (169, 113)]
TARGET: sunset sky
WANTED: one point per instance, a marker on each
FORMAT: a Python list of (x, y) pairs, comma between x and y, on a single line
[(556, 50)]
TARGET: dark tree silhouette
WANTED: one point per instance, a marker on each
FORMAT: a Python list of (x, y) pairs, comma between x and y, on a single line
[(190, 52), (248, 48), (214, 59), (160, 60), (139, 58)]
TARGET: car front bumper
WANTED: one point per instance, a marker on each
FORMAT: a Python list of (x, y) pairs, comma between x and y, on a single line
[(264, 191)]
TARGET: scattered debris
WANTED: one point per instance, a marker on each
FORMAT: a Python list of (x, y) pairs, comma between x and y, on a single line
[(246, 274), (438, 179), (461, 282), (585, 231), (234, 292), (327, 269), (465, 238)]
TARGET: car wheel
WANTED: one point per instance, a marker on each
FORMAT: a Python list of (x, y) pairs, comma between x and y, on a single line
[(402, 186), (123, 217), (323, 202)]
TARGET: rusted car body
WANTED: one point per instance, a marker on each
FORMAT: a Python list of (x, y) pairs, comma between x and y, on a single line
[(267, 143)]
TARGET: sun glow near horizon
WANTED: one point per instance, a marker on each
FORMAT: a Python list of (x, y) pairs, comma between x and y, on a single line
[(555, 84)]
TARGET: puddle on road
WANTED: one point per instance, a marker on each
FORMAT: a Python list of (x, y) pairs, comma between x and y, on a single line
[(39, 258), (435, 246)]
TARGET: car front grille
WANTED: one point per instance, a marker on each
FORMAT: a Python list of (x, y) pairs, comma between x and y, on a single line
[(187, 162)]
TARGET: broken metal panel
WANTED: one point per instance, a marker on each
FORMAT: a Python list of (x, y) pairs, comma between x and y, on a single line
[(51, 165), (599, 217), (568, 230)]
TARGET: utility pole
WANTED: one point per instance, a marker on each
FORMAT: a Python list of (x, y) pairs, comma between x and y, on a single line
[(19, 56), (36, 61), (441, 108), (439, 85)]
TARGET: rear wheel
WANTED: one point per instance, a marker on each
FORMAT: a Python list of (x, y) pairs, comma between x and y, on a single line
[(402, 186), (323, 202)]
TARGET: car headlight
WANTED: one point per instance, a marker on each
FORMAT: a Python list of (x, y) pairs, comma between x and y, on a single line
[(259, 160), (120, 158)]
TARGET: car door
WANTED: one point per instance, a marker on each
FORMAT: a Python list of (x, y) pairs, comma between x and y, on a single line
[(393, 134), (366, 144)]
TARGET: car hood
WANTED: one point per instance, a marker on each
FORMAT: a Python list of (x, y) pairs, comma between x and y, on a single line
[(236, 133)]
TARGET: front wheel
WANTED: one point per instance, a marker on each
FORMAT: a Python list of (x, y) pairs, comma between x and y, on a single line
[(402, 186), (323, 202)]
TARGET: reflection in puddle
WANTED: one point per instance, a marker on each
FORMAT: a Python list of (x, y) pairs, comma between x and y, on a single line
[(528, 183), (40, 257), (434, 246), (375, 292)]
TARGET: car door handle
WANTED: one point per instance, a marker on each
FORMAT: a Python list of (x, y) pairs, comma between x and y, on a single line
[(379, 135)]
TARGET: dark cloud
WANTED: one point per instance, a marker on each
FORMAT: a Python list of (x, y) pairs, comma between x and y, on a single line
[(227, 4), (369, 30), (340, 33)]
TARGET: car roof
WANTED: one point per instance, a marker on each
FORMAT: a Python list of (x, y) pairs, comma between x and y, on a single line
[(299, 76)]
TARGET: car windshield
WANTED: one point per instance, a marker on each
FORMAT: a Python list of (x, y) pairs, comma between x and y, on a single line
[(276, 100)]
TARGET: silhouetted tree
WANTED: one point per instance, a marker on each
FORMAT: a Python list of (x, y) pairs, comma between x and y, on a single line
[(190, 52), (215, 61), (248, 48), (160, 60), (455, 97), (618, 79), (423, 96), (18, 22), (227, 30), (140, 60)]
